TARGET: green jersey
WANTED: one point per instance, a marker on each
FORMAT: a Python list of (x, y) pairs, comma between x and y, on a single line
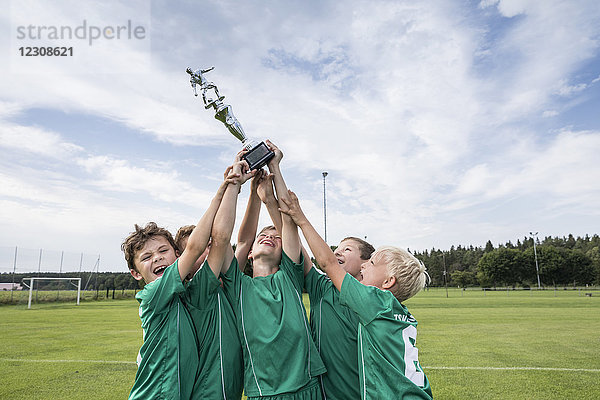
[(220, 373), (168, 357), (279, 354), (387, 357), (335, 329)]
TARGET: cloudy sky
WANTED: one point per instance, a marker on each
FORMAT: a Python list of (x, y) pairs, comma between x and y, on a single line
[(439, 122)]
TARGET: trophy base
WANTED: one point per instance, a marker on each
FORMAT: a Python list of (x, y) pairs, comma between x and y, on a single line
[(258, 156)]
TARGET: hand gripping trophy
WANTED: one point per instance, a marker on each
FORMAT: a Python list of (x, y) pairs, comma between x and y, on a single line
[(258, 154)]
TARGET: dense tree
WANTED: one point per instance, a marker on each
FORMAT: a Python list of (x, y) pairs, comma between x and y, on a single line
[(463, 278), (502, 266), (594, 255)]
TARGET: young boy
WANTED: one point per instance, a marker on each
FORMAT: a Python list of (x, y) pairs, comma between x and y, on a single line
[(181, 239), (280, 358), (336, 337), (220, 367), (168, 360), (388, 359), (335, 326)]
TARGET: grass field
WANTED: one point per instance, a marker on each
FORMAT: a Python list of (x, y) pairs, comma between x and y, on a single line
[(501, 345)]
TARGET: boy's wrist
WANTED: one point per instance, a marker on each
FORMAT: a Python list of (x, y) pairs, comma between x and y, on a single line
[(236, 184), (302, 221), (270, 200), (273, 166)]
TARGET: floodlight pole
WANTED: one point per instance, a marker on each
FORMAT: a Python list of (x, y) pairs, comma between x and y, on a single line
[(537, 269), (324, 206)]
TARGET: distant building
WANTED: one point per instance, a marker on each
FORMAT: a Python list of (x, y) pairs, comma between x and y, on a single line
[(9, 286)]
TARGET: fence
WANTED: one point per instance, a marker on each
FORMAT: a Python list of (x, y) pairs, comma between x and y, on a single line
[(16, 261), (475, 291), (20, 259)]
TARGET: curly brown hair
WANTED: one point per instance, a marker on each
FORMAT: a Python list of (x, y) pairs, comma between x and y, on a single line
[(137, 239)]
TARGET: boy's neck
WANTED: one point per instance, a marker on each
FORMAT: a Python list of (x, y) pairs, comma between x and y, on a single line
[(261, 267)]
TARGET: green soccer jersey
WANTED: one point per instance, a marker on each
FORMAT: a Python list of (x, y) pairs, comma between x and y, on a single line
[(279, 353), (220, 367), (168, 357), (335, 329), (387, 357)]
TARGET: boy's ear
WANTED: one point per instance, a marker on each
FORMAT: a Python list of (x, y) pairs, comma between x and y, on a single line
[(177, 253), (250, 255), (389, 282), (136, 275)]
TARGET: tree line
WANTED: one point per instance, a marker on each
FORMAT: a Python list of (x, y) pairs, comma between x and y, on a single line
[(561, 261)]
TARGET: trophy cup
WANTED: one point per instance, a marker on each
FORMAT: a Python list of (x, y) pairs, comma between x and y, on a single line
[(258, 154)]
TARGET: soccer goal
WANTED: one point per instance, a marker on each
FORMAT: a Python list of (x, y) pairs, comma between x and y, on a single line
[(32, 282)]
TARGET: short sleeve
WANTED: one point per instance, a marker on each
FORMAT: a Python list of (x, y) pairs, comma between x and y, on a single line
[(232, 282), (293, 270), (368, 302), (202, 287), (157, 295), (316, 284)]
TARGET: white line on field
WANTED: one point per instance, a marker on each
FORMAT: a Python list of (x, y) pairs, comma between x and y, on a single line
[(520, 369), (67, 361), (424, 367)]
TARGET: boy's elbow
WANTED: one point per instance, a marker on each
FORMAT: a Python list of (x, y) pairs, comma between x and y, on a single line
[(220, 237), (329, 263)]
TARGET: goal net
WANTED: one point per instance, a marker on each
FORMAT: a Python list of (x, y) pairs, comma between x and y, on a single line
[(73, 282)]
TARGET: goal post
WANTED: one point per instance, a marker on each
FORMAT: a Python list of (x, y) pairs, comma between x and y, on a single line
[(32, 282)]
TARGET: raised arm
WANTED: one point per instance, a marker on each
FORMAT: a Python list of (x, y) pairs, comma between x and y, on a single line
[(247, 231), (221, 252), (267, 196), (289, 231), (199, 237), (322, 252)]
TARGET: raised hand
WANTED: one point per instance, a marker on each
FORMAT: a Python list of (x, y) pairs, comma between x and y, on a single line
[(229, 176), (265, 188), (240, 167), (278, 154), (259, 177), (293, 209)]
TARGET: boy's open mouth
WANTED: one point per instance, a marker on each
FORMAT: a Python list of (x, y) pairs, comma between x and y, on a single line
[(160, 270), (268, 242)]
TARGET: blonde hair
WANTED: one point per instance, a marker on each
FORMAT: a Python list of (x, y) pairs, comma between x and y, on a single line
[(410, 273)]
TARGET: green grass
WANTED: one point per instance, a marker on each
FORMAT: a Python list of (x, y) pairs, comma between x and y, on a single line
[(467, 345), (481, 336), (95, 331)]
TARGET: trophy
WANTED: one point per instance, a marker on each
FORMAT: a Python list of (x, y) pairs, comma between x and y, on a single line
[(258, 153)]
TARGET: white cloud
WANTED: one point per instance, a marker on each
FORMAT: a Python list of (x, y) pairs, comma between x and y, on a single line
[(162, 183), (35, 140), (569, 90)]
